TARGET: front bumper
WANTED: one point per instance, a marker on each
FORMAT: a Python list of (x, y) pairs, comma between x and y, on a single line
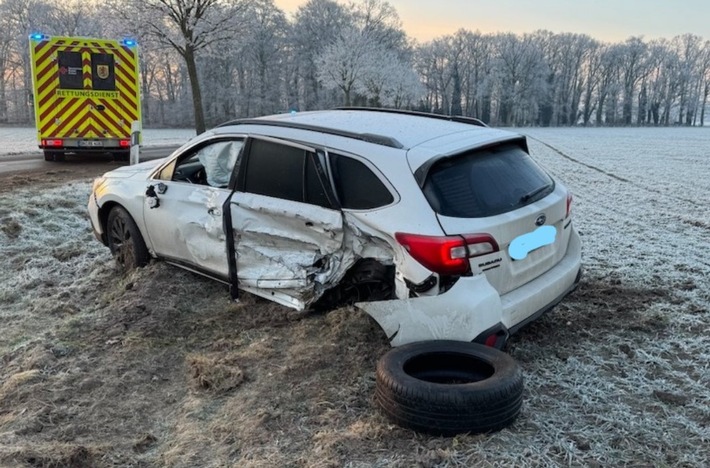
[(93, 209)]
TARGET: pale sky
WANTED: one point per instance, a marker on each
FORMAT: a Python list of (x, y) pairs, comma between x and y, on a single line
[(608, 20)]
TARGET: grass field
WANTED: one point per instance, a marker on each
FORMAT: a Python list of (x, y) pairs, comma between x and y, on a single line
[(159, 368)]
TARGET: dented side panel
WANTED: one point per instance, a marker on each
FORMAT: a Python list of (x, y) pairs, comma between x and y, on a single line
[(187, 226), (290, 247)]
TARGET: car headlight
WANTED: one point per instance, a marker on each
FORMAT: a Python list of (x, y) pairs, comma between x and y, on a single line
[(97, 183)]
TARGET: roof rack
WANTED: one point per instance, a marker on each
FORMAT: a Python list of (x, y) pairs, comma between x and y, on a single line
[(450, 118), (368, 137)]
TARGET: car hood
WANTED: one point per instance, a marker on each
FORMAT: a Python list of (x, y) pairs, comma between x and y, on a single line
[(130, 171)]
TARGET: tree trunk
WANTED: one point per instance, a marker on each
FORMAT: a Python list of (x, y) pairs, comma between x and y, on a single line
[(189, 57), (456, 93), (3, 96), (705, 101), (145, 94)]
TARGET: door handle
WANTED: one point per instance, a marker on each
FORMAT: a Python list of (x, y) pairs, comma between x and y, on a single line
[(214, 212)]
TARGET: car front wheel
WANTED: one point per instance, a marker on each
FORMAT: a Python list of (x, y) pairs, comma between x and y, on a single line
[(125, 240)]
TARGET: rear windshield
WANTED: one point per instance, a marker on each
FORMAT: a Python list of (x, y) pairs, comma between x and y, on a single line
[(486, 183)]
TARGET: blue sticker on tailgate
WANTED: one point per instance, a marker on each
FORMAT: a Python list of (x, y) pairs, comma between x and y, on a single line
[(523, 245)]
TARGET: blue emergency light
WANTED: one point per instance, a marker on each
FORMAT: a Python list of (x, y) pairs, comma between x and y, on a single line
[(128, 42), (37, 36)]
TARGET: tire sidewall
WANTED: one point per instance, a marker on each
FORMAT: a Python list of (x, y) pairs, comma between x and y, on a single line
[(504, 367), (138, 252)]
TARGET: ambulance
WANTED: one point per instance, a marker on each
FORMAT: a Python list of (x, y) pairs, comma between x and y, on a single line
[(86, 95)]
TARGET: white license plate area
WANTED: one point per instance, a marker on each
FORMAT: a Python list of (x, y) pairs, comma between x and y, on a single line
[(524, 245), (91, 144)]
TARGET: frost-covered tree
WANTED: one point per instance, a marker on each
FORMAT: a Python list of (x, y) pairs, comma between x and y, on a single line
[(6, 56), (317, 25), (264, 46), (189, 27), (633, 70), (22, 18), (78, 18), (344, 64), (521, 69)]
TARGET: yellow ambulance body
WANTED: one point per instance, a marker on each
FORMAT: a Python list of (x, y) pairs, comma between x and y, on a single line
[(86, 94)]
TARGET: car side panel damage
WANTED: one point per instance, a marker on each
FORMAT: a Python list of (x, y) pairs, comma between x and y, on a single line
[(205, 227), (285, 246), (293, 252)]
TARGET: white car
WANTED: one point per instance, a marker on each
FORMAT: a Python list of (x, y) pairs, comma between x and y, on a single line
[(438, 227)]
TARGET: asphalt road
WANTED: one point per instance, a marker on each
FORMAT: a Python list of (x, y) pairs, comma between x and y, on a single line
[(35, 162)]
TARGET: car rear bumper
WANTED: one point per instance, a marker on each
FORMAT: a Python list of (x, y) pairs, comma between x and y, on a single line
[(473, 310), (531, 300)]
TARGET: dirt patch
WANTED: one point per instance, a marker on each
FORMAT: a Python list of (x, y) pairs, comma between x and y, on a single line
[(603, 305), (216, 374), (56, 456), (11, 227), (41, 178)]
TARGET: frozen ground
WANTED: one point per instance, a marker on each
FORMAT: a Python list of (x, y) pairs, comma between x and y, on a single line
[(159, 368), (19, 140)]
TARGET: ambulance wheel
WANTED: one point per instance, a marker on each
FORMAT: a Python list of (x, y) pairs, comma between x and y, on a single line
[(120, 157), (50, 156)]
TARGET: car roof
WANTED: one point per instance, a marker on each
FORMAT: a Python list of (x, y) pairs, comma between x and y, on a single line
[(391, 128)]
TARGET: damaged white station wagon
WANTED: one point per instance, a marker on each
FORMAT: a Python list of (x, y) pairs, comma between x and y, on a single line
[(438, 227)]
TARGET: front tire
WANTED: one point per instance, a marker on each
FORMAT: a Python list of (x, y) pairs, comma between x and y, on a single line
[(449, 387), (125, 240)]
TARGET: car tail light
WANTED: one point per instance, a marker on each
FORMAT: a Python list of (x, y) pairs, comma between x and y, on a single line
[(52, 142), (124, 143), (569, 204), (447, 255)]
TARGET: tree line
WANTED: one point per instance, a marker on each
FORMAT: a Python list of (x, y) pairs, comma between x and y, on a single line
[(207, 61)]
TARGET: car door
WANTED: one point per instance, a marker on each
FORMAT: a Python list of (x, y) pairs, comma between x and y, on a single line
[(288, 228), (184, 206)]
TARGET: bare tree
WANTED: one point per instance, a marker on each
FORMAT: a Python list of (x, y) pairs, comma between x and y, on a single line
[(189, 27), (317, 26), (522, 70), (22, 18), (344, 64)]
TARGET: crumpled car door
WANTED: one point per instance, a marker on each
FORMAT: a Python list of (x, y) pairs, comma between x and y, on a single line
[(286, 251), (285, 223)]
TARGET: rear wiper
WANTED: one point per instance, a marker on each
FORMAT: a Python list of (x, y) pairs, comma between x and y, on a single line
[(528, 196)]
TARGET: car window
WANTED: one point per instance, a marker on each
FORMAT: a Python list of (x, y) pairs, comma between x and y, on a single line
[(315, 192), (484, 183), (219, 160), (211, 165), (275, 170), (357, 186), (284, 171)]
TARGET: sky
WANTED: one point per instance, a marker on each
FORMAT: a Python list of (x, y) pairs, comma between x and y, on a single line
[(607, 20)]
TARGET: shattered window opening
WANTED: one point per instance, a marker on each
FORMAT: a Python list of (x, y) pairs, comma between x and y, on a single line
[(212, 164)]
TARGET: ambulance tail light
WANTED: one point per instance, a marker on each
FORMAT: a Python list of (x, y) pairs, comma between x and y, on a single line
[(52, 142)]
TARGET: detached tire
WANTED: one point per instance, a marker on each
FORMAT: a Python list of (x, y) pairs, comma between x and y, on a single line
[(449, 387), (125, 240)]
